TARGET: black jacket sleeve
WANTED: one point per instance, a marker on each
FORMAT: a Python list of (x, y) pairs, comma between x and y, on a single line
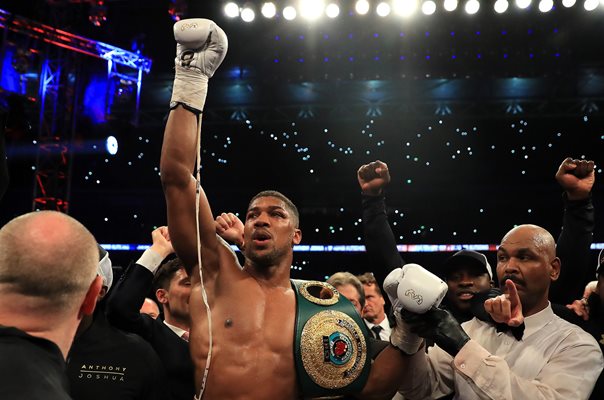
[(126, 299), (573, 249), (379, 238)]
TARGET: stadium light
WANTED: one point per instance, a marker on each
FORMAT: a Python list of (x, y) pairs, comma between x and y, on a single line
[(231, 10), (404, 8), (247, 14), (472, 6), (383, 9), (428, 7), (591, 5), (450, 5), (546, 5), (269, 10), (523, 4), (332, 10), (501, 6), (311, 9), (289, 13), (362, 7)]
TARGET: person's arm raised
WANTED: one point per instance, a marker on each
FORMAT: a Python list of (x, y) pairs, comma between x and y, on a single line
[(201, 48)]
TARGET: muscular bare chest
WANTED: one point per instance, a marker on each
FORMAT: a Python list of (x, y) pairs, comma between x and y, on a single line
[(252, 342)]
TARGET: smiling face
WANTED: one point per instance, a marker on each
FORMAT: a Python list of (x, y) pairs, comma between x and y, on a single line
[(270, 231), (527, 256), (464, 281)]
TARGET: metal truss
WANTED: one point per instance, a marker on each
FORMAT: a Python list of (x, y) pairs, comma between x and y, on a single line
[(73, 42), (58, 99)]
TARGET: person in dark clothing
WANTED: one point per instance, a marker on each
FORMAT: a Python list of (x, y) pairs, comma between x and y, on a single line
[(576, 178), (466, 272), (591, 309), (48, 281), (106, 363), (31, 367), (168, 337)]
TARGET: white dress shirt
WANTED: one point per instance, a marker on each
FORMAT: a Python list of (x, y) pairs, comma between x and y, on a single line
[(554, 360), (175, 329), (385, 332)]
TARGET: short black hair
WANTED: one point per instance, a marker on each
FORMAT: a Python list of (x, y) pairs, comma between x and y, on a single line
[(165, 273), (291, 207)]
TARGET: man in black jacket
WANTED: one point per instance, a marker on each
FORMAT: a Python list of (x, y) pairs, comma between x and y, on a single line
[(107, 363), (168, 337)]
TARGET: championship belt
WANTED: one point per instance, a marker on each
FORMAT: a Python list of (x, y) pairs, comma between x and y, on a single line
[(330, 347)]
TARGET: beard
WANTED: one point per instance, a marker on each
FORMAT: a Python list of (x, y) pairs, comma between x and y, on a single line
[(266, 258)]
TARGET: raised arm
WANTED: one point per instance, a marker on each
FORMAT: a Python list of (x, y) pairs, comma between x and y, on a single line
[(201, 48), (379, 238), (128, 295), (577, 178)]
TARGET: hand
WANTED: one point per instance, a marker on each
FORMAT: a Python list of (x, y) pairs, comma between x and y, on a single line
[(440, 326), (581, 307), (401, 337), (477, 303), (576, 177), (230, 228), (373, 178), (161, 242), (506, 308)]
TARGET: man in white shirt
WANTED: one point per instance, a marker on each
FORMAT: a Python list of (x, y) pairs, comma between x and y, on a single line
[(374, 314), (552, 359)]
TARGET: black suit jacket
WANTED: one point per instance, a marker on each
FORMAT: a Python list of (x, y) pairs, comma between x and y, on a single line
[(123, 305)]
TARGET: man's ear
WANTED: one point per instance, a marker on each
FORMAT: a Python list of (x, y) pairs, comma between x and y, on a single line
[(297, 237), (554, 272), (89, 303), (161, 295), (103, 292)]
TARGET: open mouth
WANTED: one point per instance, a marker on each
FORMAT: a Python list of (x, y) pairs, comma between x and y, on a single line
[(261, 237), (465, 295)]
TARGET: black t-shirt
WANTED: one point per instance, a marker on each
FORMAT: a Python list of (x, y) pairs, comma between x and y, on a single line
[(31, 368), (106, 363)]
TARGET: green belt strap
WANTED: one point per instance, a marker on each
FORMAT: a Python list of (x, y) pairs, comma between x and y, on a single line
[(330, 348)]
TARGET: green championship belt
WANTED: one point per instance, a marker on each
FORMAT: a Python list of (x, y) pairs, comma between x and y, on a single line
[(330, 347)]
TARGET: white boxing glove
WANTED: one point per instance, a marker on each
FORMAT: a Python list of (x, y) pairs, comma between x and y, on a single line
[(415, 289), (419, 290), (201, 47)]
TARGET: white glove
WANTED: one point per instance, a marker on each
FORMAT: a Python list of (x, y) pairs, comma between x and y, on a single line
[(415, 289), (201, 47)]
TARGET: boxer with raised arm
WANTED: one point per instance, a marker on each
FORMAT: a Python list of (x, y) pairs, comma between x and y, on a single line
[(254, 349)]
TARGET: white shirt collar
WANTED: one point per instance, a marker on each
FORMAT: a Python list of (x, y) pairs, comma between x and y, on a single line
[(385, 324), (175, 329), (538, 320)]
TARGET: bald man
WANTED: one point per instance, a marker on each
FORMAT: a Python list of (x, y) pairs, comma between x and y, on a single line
[(48, 282), (150, 308), (549, 358)]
